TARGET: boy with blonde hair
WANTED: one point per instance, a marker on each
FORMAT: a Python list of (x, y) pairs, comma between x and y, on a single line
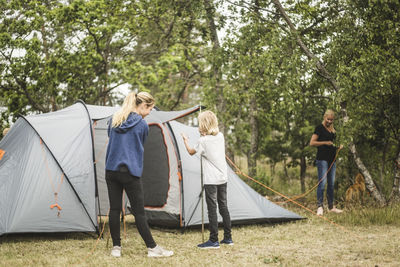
[(211, 146), (5, 131)]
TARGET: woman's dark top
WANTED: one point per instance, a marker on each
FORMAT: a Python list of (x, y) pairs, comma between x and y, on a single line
[(325, 152)]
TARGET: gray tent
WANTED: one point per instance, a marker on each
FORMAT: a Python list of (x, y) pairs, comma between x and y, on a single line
[(47, 164), (52, 174), (172, 181)]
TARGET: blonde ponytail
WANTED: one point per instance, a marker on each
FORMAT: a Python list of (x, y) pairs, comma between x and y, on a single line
[(131, 101)]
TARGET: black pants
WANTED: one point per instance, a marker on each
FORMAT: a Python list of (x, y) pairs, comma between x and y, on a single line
[(116, 182), (214, 194)]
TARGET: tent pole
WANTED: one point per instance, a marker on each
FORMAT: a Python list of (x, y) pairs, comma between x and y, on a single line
[(202, 194), (202, 199)]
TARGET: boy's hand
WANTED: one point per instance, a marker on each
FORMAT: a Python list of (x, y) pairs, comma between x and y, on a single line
[(188, 148), (185, 138)]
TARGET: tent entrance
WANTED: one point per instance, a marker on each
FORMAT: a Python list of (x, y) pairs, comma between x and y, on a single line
[(155, 176)]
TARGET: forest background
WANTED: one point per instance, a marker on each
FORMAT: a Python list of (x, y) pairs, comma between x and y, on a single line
[(269, 69)]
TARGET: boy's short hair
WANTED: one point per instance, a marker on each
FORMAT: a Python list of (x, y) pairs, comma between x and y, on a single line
[(208, 123), (5, 131)]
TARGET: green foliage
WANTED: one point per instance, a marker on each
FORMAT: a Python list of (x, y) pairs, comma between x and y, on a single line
[(55, 52), (266, 92)]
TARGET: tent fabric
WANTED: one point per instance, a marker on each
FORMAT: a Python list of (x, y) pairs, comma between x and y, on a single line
[(244, 204), (59, 158), (166, 116), (100, 112), (161, 166), (47, 154)]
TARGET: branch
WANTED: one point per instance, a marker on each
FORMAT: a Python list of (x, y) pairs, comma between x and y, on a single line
[(182, 91), (320, 66), (250, 6), (95, 40), (106, 92), (22, 85), (391, 125), (321, 96)]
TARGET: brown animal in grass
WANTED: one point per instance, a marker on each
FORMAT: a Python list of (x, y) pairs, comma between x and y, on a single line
[(356, 191)]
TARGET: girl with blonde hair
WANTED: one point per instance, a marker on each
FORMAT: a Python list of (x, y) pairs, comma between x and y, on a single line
[(323, 138), (127, 133), (211, 146)]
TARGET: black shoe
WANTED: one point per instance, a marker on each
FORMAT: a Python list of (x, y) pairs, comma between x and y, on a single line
[(227, 241), (208, 244)]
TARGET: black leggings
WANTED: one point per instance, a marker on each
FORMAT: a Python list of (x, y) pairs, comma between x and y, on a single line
[(116, 182)]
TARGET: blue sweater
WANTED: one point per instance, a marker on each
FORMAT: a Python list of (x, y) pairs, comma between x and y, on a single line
[(125, 146)]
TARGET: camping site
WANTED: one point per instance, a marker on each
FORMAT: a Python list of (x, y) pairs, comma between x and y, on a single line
[(199, 133)]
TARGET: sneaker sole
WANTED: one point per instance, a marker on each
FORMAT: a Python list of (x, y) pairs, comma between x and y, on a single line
[(159, 256), (115, 255), (208, 247), (231, 244)]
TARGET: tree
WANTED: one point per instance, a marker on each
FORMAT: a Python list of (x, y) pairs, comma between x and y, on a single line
[(366, 46), (328, 76)]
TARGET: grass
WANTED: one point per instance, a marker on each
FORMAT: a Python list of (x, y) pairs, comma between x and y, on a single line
[(310, 242), (361, 236), (359, 215)]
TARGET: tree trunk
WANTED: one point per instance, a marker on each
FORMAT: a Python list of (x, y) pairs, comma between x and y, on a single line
[(216, 47), (252, 156), (303, 167), (52, 101), (382, 171), (285, 168), (369, 183), (395, 194), (216, 67), (272, 167), (324, 73)]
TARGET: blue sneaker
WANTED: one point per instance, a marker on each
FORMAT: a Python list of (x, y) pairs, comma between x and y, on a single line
[(227, 241), (208, 244)]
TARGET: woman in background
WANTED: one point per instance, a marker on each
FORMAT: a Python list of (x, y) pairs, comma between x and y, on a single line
[(323, 137)]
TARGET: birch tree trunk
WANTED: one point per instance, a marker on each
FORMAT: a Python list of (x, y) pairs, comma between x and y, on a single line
[(369, 182), (324, 73)]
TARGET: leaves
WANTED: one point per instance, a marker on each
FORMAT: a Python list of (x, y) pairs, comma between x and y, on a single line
[(265, 91)]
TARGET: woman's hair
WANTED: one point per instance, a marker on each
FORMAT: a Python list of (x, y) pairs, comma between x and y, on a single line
[(208, 123), (329, 112), (131, 101)]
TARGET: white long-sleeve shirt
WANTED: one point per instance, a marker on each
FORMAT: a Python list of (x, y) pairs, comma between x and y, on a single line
[(212, 148)]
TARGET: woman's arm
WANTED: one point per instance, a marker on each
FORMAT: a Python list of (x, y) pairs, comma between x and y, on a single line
[(190, 150), (314, 142)]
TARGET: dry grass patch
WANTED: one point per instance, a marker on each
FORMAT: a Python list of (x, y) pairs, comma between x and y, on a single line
[(311, 242)]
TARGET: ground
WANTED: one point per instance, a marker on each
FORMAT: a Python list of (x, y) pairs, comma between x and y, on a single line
[(310, 242)]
